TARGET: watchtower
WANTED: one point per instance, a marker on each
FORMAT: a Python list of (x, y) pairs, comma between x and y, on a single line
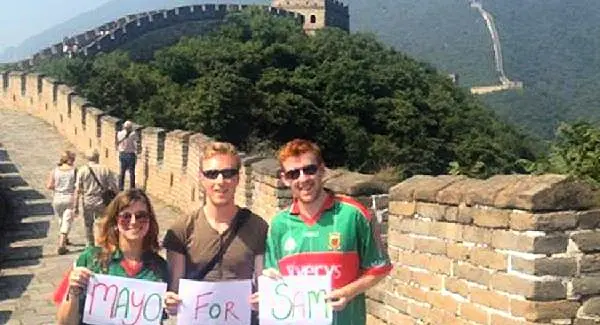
[(318, 13)]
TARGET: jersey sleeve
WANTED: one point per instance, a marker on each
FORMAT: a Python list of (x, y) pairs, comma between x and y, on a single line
[(374, 259), (272, 248)]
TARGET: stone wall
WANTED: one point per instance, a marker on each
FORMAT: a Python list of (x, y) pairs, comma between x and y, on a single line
[(113, 34), (168, 162), (507, 250)]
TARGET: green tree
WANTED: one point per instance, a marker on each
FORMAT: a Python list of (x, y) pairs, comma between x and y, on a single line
[(576, 151), (259, 81)]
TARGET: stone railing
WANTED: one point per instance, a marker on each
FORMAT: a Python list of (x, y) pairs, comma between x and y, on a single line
[(507, 250)]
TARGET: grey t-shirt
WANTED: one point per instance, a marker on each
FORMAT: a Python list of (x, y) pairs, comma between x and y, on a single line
[(91, 190)]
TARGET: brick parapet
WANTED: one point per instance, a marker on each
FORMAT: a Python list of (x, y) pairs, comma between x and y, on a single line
[(509, 249)]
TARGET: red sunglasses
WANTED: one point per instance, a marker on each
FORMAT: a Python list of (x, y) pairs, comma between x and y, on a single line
[(124, 218)]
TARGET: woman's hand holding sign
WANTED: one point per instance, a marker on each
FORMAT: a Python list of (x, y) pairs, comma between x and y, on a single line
[(78, 279)]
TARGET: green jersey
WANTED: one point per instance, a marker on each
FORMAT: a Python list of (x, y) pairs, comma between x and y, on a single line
[(342, 241)]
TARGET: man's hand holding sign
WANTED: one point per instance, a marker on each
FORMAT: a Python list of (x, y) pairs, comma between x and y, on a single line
[(295, 300)]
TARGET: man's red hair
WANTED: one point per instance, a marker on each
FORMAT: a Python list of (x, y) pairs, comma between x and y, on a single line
[(299, 147)]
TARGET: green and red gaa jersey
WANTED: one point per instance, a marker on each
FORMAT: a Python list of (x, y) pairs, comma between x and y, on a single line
[(342, 240)]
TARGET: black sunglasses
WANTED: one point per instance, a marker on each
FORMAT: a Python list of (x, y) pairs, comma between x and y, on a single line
[(124, 218), (227, 173), (306, 170)]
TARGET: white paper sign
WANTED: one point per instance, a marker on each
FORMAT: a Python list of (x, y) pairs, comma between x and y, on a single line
[(214, 303), (118, 300), (295, 300)]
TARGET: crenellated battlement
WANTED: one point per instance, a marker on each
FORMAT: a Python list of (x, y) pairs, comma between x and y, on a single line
[(318, 14), (168, 160), (111, 35)]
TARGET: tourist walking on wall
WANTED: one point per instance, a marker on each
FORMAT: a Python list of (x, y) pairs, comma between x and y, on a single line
[(347, 245), (93, 182), (220, 241), (62, 181), (127, 141), (127, 247)]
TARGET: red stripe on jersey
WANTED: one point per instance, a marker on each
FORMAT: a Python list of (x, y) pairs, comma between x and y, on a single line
[(351, 201), (343, 266), (378, 270)]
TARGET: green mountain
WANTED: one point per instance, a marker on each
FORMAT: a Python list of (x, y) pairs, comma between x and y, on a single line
[(550, 45)]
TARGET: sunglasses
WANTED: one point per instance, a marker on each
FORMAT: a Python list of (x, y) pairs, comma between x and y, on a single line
[(293, 174), (226, 173), (124, 218)]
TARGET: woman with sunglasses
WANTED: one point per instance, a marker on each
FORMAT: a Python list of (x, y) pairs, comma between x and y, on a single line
[(127, 246)]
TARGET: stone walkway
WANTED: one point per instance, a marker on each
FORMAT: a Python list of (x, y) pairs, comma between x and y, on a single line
[(30, 268)]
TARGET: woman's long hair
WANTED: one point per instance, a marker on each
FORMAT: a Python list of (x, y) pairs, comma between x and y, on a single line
[(108, 233)]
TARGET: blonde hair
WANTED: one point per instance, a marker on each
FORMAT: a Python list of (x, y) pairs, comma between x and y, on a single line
[(220, 148), (66, 157)]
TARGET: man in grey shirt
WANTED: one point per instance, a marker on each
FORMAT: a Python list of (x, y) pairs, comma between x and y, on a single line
[(91, 190)]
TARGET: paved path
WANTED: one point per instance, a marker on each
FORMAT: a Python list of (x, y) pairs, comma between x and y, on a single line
[(30, 268)]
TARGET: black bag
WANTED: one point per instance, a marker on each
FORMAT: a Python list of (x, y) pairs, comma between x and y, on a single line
[(107, 194), (238, 223)]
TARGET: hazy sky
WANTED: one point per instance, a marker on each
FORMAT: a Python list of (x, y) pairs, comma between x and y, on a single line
[(24, 18)]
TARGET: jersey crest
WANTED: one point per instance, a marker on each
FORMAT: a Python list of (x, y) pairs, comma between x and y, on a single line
[(335, 240), (289, 245)]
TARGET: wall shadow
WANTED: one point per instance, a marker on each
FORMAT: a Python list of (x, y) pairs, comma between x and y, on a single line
[(5, 316), (18, 203)]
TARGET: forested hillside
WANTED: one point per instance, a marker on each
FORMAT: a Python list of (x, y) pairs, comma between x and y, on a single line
[(446, 33), (551, 45), (259, 81)]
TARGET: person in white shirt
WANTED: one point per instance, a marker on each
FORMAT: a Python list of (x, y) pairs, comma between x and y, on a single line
[(62, 181), (127, 140)]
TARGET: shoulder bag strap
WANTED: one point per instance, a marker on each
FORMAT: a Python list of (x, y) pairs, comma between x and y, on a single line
[(95, 178), (238, 223)]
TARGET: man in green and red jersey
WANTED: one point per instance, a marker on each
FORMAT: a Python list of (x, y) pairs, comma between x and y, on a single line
[(325, 234)]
